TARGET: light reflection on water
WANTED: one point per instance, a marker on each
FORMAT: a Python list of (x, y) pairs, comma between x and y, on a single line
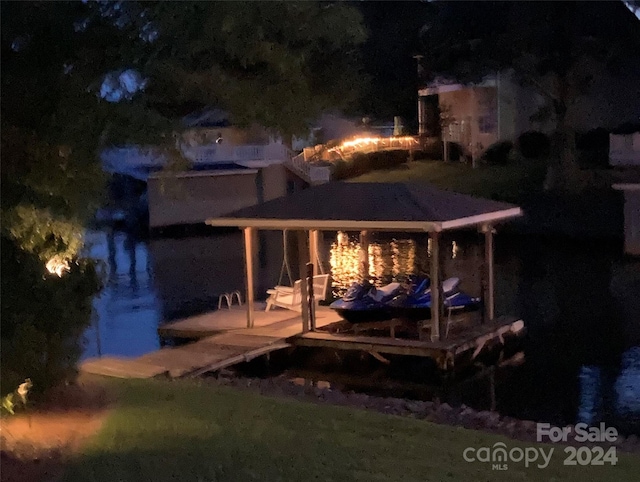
[(628, 383), (390, 259)]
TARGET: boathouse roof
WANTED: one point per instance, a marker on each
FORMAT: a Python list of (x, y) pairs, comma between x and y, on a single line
[(370, 206)]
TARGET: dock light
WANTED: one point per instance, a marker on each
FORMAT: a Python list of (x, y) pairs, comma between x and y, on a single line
[(58, 265)]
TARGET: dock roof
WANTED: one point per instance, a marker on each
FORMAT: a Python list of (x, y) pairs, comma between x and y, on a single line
[(370, 206)]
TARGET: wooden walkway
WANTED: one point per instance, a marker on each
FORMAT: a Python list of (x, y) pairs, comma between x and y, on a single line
[(222, 341)]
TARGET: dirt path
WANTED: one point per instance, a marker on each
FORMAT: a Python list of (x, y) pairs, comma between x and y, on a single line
[(35, 444)]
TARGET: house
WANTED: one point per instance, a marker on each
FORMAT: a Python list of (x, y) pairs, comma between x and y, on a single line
[(499, 108), (631, 190), (624, 155), (215, 167), (624, 147)]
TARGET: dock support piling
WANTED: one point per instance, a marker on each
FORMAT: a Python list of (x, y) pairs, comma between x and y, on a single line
[(489, 295), (249, 264), (436, 287), (311, 297), (313, 251), (303, 252)]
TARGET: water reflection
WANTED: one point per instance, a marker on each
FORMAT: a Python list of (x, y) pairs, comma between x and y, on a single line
[(590, 394), (579, 302), (627, 385), (393, 259), (127, 311)]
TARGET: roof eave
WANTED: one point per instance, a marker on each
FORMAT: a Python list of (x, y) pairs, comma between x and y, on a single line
[(325, 224), (487, 218), (352, 225)]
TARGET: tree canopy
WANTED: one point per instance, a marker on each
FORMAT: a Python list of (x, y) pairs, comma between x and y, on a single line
[(278, 64), (387, 55)]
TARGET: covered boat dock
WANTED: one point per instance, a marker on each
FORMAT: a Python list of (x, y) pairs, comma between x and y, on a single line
[(378, 207)]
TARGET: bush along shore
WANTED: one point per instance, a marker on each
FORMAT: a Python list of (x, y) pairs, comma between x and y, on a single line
[(436, 412)]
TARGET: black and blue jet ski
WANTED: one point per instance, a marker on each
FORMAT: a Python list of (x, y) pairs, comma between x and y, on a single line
[(366, 303)]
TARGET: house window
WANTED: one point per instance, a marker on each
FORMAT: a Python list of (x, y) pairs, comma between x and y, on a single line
[(488, 123)]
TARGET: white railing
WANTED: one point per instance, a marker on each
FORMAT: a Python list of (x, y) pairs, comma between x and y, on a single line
[(227, 153), (309, 172), (127, 160), (300, 165)]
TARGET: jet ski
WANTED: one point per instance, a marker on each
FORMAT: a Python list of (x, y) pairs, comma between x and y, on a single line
[(364, 302), (417, 305)]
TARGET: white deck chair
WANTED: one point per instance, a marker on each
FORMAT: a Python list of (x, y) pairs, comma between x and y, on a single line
[(291, 297)]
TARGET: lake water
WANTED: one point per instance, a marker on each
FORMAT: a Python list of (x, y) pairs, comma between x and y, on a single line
[(580, 303)]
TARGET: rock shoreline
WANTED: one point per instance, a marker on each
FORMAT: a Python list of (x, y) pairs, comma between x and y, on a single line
[(441, 413)]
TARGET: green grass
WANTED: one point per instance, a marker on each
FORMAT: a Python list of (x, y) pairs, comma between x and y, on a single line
[(190, 431), (507, 183)]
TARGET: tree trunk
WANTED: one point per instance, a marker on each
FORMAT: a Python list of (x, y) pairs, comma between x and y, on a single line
[(563, 172)]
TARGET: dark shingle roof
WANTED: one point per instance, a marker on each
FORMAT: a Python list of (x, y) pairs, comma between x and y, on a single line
[(378, 204)]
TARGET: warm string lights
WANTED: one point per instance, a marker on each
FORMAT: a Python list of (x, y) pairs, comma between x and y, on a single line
[(374, 143)]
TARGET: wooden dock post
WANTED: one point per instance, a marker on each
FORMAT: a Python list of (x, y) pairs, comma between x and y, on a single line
[(311, 297), (249, 262), (313, 250), (492, 388), (302, 264), (436, 288), (489, 295), (311, 271)]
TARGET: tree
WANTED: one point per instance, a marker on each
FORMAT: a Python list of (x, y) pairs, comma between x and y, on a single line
[(556, 48), (387, 55), (275, 64), (50, 186)]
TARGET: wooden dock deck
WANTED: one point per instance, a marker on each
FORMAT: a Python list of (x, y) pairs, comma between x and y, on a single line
[(222, 340), (444, 352)]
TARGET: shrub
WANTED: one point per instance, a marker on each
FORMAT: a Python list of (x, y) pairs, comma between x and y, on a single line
[(457, 152), (42, 333), (595, 139), (498, 153), (593, 148), (431, 149), (340, 170), (534, 145), (361, 163)]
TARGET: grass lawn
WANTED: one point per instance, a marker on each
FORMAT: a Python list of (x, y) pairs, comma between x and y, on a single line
[(506, 183), (191, 431)]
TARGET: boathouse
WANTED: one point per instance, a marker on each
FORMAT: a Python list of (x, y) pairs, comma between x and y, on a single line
[(380, 207)]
